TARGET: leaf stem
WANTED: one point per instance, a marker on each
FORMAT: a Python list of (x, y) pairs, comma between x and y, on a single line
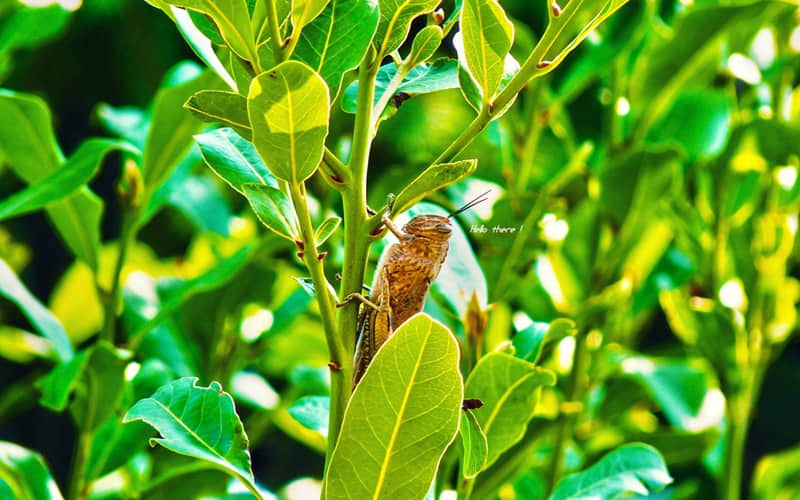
[(274, 31), (126, 238), (391, 88), (83, 447)]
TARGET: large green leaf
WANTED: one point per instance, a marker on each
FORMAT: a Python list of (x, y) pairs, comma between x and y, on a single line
[(442, 74), (199, 422), (234, 159), (43, 320), (274, 210), (289, 107), (28, 143), (336, 41), (487, 35), (509, 389), (71, 176), (172, 127), (431, 180), (219, 106), (633, 468), (401, 418), (24, 475), (233, 22), (395, 22)]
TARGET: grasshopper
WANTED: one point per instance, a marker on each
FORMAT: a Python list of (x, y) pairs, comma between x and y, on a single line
[(401, 283)]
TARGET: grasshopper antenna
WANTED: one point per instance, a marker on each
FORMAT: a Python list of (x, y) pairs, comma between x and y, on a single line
[(478, 199)]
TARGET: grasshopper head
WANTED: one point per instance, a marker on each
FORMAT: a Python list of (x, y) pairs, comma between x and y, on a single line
[(435, 227)]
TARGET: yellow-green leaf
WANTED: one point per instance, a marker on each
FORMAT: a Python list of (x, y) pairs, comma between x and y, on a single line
[(396, 17), (289, 107), (509, 389), (488, 36), (401, 418)]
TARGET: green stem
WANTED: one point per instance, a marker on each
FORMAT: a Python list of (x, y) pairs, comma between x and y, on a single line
[(356, 248), (739, 410), (78, 490), (126, 238), (340, 353), (567, 422), (274, 31)]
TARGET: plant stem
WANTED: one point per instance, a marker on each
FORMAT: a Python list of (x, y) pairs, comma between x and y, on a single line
[(274, 31), (567, 422), (126, 238), (356, 248), (83, 447), (739, 410)]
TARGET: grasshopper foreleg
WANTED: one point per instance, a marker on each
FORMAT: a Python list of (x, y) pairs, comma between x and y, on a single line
[(391, 227)]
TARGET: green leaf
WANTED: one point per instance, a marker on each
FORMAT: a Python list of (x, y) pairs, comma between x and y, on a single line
[(633, 468), (289, 108), (127, 122), (233, 159), (100, 369), (699, 121), (172, 128), (71, 176), (530, 342), (181, 291), (508, 387), (233, 23), (28, 143), (24, 475), (423, 79), (472, 92), (409, 400), (219, 106), (305, 11), (274, 210), (680, 388), (336, 41), (43, 320), (488, 35), (57, 385), (777, 475), (200, 43), (395, 22), (326, 229), (28, 27), (475, 445), (432, 179), (199, 422), (312, 412), (21, 346), (198, 198), (104, 380), (425, 44)]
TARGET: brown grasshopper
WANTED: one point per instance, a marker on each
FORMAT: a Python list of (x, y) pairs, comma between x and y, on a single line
[(402, 281)]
